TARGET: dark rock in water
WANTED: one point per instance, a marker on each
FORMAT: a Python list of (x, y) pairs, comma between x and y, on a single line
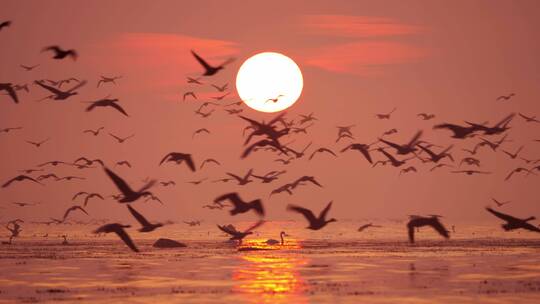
[(168, 243)]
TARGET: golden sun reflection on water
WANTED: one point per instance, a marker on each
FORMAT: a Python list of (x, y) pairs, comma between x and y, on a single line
[(266, 276)]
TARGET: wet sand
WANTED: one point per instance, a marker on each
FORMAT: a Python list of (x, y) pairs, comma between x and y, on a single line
[(312, 267)]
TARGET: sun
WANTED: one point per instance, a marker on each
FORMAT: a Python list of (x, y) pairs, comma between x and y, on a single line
[(269, 82)]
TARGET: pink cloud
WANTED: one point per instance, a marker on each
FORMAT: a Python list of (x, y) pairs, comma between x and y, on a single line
[(356, 26), (363, 58)]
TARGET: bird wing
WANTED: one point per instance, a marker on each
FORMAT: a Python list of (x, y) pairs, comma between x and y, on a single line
[(118, 107), (165, 158), (228, 229), (415, 138), (80, 84), (125, 237), (530, 227), (77, 195), (143, 221), (410, 230), (438, 226), (189, 162), (325, 210), (232, 196), (502, 216), (391, 144), (255, 226), (305, 212), (12, 93), (51, 89), (201, 61), (118, 181)]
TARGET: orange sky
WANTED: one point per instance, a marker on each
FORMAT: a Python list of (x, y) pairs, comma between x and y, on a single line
[(358, 58)]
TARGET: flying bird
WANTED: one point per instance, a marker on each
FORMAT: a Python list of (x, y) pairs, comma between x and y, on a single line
[(369, 225), (385, 116), (5, 24), (421, 221), (362, 148), (58, 94), (239, 205), (426, 116), (119, 230), (221, 88), (194, 80), (210, 70), (199, 131), (436, 157), (129, 195), (529, 118), (39, 143), (518, 170), (7, 130), (178, 158), (107, 102), (500, 204), (60, 53), (242, 180), (190, 93), (20, 178), (72, 209), (407, 170), (239, 235), (8, 87), (471, 172), (28, 68), (146, 225), (404, 148), (105, 79), (506, 97), (315, 223), (513, 223), (515, 154), (121, 139), (94, 132), (209, 160)]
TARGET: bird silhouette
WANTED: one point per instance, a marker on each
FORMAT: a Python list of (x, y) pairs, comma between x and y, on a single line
[(221, 88), (505, 97), (518, 170), (119, 230), (9, 129), (498, 128), (385, 116), (440, 165), (208, 161), (194, 80), (146, 225), (242, 180), (28, 68), (426, 116), (239, 205), (94, 132), (436, 157), (306, 118), (515, 154), (362, 148), (190, 93), (20, 178), (58, 94), (60, 53), (321, 150), (239, 235), (264, 143), (8, 87), (123, 163), (38, 143), (513, 223), (407, 170), (405, 148), (276, 99), (72, 209), (369, 225), (471, 161), (529, 118), (395, 162), (128, 194), (390, 132), (106, 102), (5, 24), (499, 204), (221, 96), (199, 131), (105, 79), (178, 158), (121, 140), (460, 132), (208, 69), (315, 223), (269, 177), (471, 172), (421, 221)]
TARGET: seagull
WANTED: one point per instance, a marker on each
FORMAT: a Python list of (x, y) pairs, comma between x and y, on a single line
[(275, 100), (389, 132), (68, 178), (88, 162), (96, 132), (178, 158), (119, 230), (194, 80), (198, 131), (20, 178), (123, 163), (362, 148), (529, 118), (321, 150), (209, 160), (5, 24), (285, 188), (146, 225), (210, 70), (239, 235), (59, 53), (405, 148), (107, 80), (301, 153), (71, 209), (7, 130), (365, 226), (168, 183), (190, 93), (221, 96), (269, 177), (421, 221), (120, 139), (297, 130), (408, 169), (471, 172), (493, 145), (513, 155), (305, 178), (385, 116), (152, 197), (437, 157), (471, 161), (242, 180), (519, 170), (234, 111), (498, 128), (315, 223), (8, 87), (285, 161), (58, 94), (306, 118), (205, 104), (460, 132), (88, 196), (197, 182), (39, 143), (500, 204), (221, 88), (239, 205), (513, 223), (28, 68), (106, 102), (505, 97), (128, 194), (426, 116), (30, 171)]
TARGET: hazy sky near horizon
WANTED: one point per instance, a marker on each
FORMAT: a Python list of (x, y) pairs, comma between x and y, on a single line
[(358, 58)]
